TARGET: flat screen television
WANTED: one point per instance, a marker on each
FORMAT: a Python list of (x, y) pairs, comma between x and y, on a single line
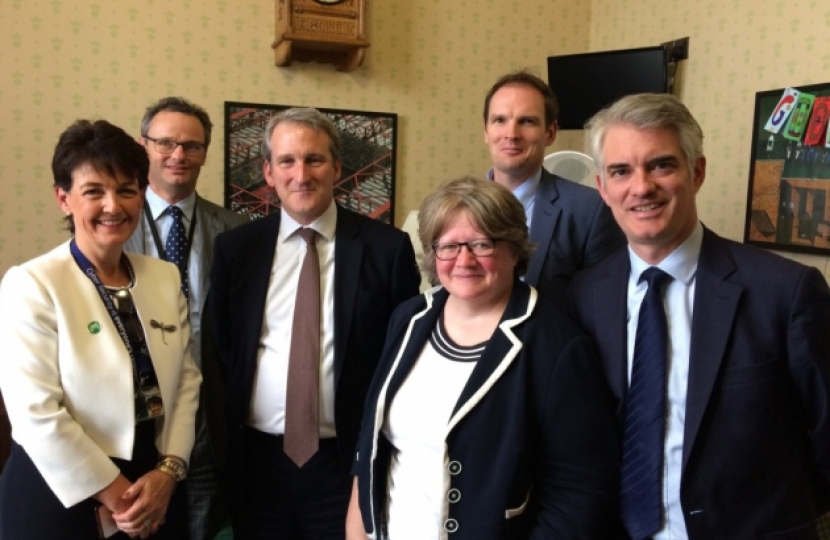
[(585, 83)]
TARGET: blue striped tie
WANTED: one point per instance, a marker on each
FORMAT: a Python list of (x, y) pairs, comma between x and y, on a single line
[(642, 467)]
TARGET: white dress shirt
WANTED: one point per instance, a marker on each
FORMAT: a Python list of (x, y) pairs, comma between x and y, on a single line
[(678, 300), (267, 413), (163, 223)]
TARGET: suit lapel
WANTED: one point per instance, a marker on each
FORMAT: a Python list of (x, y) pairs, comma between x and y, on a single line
[(715, 306), (545, 216), (258, 278), (135, 243), (504, 347), (348, 257), (208, 227), (609, 306)]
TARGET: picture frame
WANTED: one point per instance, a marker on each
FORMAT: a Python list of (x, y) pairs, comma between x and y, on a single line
[(788, 197), (368, 143)]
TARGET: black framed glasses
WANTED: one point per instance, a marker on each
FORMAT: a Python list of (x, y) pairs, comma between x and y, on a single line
[(450, 250), (167, 146)]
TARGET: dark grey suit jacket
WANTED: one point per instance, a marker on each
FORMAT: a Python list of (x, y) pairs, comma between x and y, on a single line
[(756, 449), (211, 219), (573, 229)]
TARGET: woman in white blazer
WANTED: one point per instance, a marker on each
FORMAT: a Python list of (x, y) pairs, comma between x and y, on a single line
[(100, 386)]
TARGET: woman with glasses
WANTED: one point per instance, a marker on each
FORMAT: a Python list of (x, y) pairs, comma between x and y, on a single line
[(488, 417), (98, 380)]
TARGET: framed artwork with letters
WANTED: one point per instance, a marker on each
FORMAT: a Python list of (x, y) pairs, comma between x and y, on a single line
[(788, 200)]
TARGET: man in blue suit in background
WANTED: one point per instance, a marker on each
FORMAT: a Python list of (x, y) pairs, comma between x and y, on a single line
[(569, 223), (738, 446)]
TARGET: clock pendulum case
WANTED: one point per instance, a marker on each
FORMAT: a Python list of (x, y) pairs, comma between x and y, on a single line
[(326, 31)]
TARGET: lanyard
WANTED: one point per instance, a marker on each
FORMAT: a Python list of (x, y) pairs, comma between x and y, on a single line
[(89, 271), (157, 239)]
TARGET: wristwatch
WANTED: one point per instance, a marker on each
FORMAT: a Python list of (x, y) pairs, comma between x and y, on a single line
[(174, 468)]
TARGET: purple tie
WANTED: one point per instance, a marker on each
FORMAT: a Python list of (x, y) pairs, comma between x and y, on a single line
[(302, 416)]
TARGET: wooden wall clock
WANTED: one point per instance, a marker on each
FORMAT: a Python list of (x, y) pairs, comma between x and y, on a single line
[(326, 31)]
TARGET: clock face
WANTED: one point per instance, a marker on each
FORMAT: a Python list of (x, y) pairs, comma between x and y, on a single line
[(328, 2)]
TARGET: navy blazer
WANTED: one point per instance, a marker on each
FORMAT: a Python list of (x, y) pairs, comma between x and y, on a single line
[(375, 270), (532, 448), (756, 451), (573, 229)]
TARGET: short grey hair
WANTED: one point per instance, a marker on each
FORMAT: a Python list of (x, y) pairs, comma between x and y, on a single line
[(647, 111), (306, 116)]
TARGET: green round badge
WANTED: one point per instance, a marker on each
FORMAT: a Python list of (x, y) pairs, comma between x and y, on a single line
[(94, 327)]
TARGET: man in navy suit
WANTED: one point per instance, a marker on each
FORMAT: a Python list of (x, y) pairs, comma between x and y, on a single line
[(568, 222), (366, 269), (744, 446)]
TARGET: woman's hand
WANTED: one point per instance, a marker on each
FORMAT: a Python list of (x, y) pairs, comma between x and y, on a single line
[(354, 519), (111, 496), (146, 502)]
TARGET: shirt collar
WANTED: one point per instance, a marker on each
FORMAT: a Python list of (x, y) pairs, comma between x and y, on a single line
[(158, 205), (680, 264), (527, 189), (323, 225)]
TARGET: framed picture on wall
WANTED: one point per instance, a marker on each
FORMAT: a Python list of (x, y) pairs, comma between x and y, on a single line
[(367, 179), (788, 201)]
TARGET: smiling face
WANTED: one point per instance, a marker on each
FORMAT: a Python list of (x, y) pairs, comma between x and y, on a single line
[(173, 177), (105, 210), (516, 134), (302, 170), (646, 183), (483, 281)]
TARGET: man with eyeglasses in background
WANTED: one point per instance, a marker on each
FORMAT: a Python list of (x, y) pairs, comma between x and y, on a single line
[(179, 226)]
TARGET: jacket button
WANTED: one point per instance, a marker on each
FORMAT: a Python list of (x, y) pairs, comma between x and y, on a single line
[(454, 467), (451, 525), (453, 495)]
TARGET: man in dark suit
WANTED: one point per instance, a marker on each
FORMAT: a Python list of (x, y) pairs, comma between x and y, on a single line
[(366, 269), (176, 134), (568, 222), (742, 395)]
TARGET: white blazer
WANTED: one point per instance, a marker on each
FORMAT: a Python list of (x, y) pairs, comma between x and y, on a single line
[(69, 389)]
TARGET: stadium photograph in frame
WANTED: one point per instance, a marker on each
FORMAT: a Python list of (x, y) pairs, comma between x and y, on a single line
[(367, 179)]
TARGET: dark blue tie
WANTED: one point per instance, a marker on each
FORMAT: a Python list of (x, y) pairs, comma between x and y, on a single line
[(645, 410), (177, 244)]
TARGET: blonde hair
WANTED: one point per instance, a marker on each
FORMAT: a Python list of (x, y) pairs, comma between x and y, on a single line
[(492, 208)]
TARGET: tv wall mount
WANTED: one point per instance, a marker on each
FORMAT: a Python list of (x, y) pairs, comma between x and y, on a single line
[(676, 51)]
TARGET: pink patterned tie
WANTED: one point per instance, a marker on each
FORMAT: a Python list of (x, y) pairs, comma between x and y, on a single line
[(302, 416)]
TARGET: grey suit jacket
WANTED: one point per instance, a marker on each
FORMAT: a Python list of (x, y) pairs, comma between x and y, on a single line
[(211, 219), (572, 228)]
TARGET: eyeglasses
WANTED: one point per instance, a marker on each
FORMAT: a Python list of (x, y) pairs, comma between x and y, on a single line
[(167, 146), (479, 248)]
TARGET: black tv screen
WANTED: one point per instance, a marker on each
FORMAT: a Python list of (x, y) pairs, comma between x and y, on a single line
[(585, 83)]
